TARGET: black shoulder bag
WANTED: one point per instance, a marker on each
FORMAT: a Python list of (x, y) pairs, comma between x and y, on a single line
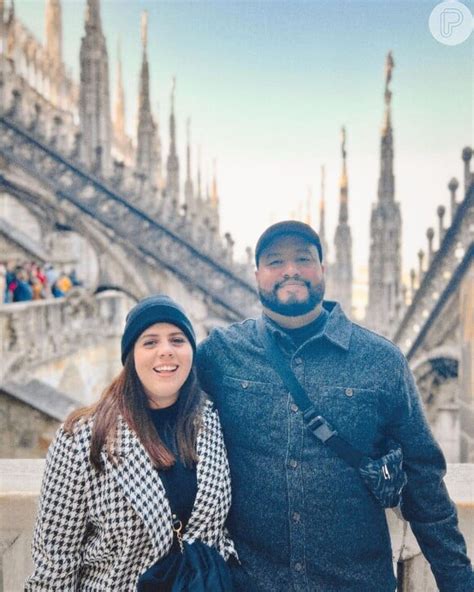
[(384, 477), (194, 567)]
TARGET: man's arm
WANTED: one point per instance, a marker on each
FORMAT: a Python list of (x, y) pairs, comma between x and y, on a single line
[(426, 503), (206, 369)]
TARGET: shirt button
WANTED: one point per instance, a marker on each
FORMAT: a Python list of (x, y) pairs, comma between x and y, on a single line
[(293, 463), (296, 516), (294, 407), (349, 392), (298, 566), (244, 384), (298, 361)]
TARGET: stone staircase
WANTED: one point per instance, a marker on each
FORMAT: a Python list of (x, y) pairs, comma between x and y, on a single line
[(95, 198)]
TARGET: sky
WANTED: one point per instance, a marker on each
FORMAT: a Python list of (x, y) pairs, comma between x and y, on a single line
[(268, 85)]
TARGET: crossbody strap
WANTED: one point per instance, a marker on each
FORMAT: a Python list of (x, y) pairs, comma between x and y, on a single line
[(318, 426)]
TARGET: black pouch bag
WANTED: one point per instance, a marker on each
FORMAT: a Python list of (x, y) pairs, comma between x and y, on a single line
[(385, 476)]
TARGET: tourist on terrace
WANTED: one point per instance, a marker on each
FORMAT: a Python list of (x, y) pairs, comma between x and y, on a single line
[(132, 479)]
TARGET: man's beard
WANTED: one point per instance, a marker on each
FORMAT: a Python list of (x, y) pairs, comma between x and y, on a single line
[(293, 307)]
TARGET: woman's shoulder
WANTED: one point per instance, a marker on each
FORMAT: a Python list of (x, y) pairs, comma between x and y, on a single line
[(210, 417), (75, 434)]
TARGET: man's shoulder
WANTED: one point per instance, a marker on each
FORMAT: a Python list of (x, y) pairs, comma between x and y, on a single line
[(235, 333), (374, 344)]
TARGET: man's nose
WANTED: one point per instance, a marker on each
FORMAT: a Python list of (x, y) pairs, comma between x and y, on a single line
[(290, 269)]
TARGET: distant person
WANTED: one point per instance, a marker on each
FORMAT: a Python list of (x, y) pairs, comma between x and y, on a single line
[(36, 288), (3, 282), (22, 291), (62, 285), (302, 518), (130, 478), (10, 281), (74, 279), (51, 274)]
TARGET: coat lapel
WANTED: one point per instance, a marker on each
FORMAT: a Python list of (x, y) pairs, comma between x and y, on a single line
[(213, 484), (142, 487)]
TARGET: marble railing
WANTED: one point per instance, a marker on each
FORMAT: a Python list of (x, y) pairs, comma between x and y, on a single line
[(64, 325), (19, 488)]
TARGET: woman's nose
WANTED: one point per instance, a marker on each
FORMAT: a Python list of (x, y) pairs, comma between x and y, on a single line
[(165, 351)]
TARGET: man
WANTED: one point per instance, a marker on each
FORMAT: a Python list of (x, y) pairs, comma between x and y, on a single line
[(302, 519)]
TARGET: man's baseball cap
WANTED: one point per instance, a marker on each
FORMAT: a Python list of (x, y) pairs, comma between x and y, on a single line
[(288, 227)]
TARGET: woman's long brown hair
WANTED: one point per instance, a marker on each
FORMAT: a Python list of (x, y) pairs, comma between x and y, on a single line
[(125, 397)]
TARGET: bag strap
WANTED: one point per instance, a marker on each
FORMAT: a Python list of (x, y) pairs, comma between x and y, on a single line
[(318, 426)]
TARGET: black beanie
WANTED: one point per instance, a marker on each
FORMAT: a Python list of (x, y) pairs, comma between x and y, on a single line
[(151, 310)]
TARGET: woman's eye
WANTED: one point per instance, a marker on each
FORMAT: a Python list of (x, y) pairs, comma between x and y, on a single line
[(276, 262), (149, 343), (178, 340)]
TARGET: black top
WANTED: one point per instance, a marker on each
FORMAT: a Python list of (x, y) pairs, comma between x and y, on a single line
[(302, 334), (180, 483)]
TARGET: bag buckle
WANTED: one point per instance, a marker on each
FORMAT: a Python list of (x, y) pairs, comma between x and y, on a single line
[(319, 426)]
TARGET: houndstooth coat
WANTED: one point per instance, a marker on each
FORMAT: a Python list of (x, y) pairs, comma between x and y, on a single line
[(97, 532)]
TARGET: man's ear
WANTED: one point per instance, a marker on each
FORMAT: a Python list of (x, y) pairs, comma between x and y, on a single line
[(256, 274)]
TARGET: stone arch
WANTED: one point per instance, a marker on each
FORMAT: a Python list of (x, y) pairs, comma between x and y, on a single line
[(437, 380)]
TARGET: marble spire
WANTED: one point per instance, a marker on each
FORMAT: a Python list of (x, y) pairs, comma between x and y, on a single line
[(172, 164), (322, 215), (385, 291), (342, 286), (188, 185), (148, 158), (53, 31), (94, 97), (119, 106)]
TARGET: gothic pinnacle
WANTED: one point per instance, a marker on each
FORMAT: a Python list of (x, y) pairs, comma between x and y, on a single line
[(344, 154), (389, 65), (144, 31), (214, 194), (322, 206), (119, 112), (93, 14)]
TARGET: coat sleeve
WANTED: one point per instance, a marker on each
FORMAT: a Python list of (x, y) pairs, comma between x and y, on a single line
[(425, 502), (62, 519), (204, 357)]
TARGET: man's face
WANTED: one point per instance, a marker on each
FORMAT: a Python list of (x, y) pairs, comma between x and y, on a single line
[(290, 276)]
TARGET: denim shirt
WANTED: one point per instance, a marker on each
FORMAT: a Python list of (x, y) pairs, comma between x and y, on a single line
[(301, 518)]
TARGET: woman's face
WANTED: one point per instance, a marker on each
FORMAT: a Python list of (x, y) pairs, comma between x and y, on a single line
[(163, 359)]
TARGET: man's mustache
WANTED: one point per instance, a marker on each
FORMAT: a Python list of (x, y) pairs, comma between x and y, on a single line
[(291, 281)]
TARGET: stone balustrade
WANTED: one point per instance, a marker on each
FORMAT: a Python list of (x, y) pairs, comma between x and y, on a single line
[(64, 325), (19, 488)]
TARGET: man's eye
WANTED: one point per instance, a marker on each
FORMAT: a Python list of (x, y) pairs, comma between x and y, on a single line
[(178, 340), (275, 262), (304, 259), (149, 342)]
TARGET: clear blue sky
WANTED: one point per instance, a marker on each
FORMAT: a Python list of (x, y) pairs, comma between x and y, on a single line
[(268, 85)]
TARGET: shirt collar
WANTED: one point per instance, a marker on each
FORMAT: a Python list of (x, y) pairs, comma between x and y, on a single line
[(338, 328)]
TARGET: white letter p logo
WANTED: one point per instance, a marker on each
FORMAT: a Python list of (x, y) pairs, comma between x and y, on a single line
[(450, 19)]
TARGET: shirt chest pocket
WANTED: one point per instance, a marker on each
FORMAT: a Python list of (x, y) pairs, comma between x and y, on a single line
[(248, 412), (353, 413)]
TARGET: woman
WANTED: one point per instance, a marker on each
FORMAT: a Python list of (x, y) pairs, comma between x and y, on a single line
[(116, 469)]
